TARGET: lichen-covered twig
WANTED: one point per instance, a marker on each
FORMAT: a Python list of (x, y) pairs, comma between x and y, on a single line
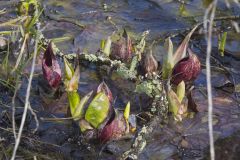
[(98, 59), (159, 109)]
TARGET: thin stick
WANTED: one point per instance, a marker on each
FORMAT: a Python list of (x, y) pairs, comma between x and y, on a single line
[(14, 109), (26, 106), (208, 33)]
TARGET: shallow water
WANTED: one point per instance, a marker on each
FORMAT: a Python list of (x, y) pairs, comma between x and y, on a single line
[(186, 140)]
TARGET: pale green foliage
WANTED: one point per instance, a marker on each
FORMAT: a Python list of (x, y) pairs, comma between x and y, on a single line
[(69, 71), (73, 100), (174, 102), (78, 113), (181, 91), (127, 111), (72, 84), (97, 110), (222, 43), (168, 62), (107, 46)]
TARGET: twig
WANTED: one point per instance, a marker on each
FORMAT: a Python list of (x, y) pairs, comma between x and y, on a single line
[(208, 33), (159, 102), (14, 109)]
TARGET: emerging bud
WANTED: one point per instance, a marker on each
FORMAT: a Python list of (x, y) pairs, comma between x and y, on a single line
[(187, 69), (71, 77), (107, 46), (126, 112), (178, 109), (149, 63), (181, 91), (168, 61), (122, 49), (51, 68), (173, 101), (69, 71), (72, 85)]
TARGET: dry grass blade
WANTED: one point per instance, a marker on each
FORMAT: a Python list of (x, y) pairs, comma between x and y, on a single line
[(208, 33), (21, 53), (26, 106)]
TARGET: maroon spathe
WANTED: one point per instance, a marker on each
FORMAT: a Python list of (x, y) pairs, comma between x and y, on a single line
[(187, 69), (51, 68)]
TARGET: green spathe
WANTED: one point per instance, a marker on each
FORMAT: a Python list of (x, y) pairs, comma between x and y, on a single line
[(98, 110)]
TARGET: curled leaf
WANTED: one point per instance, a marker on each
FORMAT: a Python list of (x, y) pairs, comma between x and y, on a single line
[(73, 100), (168, 62), (174, 102), (69, 71), (182, 49), (175, 106), (127, 111), (51, 68), (187, 69), (168, 45), (181, 91), (78, 113), (105, 89), (98, 110), (107, 46), (221, 43)]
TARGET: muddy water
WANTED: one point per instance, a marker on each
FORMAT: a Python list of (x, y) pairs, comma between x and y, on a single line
[(186, 140)]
